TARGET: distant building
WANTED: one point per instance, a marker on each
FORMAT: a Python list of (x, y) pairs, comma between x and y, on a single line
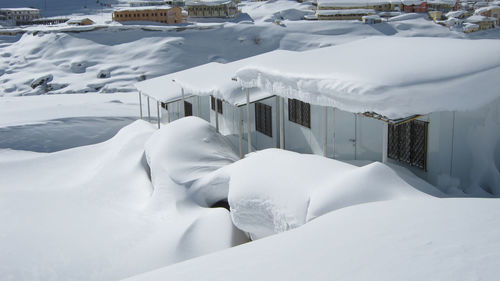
[(85, 21), (16, 16), (414, 6), (162, 14), (490, 11), (377, 5), (344, 14), (212, 9), (373, 19), (443, 6), (435, 15), (482, 21)]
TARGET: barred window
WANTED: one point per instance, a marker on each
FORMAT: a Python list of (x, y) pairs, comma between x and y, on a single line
[(213, 101), (263, 119), (407, 143), (188, 109), (299, 112)]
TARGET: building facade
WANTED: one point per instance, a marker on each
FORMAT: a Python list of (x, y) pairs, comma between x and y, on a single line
[(16, 16), (161, 14), (212, 9)]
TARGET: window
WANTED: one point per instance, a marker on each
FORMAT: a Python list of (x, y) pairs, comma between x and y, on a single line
[(164, 106), (299, 112), (407, 143), (263, 119), (188, 109), (213, 101)]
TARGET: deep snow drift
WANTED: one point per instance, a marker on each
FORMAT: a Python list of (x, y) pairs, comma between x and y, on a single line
[(92, 213), (413, 240)]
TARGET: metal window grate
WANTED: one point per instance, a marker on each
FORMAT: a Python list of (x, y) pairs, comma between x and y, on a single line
[(407, 143), (299, 112), (263, 119)]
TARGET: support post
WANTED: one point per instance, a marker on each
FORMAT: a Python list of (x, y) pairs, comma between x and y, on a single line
[(183, 105), (249, 133), (355, 136), (282, 122), (216, 115), (325, 140), (140, 105), (385, 138), (199, 106), (240, 127), (168, 112), (158, 113), (452, 144), (149, 112)]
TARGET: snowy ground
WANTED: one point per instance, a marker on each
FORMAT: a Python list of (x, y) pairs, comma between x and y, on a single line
[(116, 208)]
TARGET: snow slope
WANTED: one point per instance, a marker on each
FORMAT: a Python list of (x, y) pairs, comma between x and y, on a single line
[(424, 239), (92, 213)]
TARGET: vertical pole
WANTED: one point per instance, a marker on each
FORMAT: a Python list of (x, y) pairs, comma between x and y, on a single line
[(183, 105), (158, 113), (240, 127), (140, 104), (249, 133), (168, 112), (452, 144), (199, 106), (216, 115), (333, 140), (149, 112), (282, 122), (355, 136), (385, 138), (325, 140)]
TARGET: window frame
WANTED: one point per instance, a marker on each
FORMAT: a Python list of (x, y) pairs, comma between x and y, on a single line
[(264, 119), (407, 143), (299, 112)]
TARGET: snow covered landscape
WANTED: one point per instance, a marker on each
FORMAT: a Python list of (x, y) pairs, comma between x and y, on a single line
[(262, 142)]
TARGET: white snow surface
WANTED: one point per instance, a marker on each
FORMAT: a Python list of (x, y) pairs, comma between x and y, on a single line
[(92, 213), (413, 240), (351, 78)]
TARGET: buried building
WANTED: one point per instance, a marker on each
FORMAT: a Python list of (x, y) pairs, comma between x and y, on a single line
[(439, 119)]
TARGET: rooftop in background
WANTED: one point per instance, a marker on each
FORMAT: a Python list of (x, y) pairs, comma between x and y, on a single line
[(143, 8)]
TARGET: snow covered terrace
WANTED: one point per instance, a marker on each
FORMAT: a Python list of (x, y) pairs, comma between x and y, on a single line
[(394, 77)]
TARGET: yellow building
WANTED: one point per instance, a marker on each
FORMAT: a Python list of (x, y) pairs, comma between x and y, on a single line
[(482, 21), (377, 5), (491, 11), (344, 14), (163, 14)]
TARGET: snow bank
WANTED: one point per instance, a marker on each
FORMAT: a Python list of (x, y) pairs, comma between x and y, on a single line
[(274, 190), (187, 149), (92, 213), (373, 182), (413, 240)]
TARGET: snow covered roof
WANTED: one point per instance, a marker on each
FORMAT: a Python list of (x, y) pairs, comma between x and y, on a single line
[(485, 9), (20, 9), (455, 14), (412, 2), (143, 8), (209, 79), (479, 18), (387, 81), (353, 3), (208, 2), (442, 2), (345, 12)]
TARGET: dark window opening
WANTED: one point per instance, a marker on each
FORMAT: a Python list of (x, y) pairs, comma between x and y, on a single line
[(164, 106), (407, 143), (263, 119), (214, 102), (299, 112), (188, 109)]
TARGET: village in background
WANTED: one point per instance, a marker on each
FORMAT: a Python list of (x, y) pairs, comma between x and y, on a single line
[(468, 16)]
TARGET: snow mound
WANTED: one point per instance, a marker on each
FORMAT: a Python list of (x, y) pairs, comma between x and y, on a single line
[(188, 149), (272, 191), (411, 240), (373, 182)]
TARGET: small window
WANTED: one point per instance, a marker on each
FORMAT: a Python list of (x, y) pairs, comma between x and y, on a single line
[(299, 112), (263, 119), (407, 143), (218, 102), (188, 109), (164, 106)]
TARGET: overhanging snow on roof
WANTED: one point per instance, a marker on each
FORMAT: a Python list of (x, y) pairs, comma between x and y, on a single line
[(394, 77)]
